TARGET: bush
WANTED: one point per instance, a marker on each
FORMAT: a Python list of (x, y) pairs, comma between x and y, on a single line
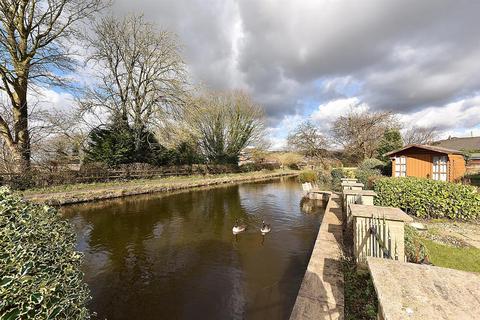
[(415, 250), (40, 275), (339, 173), (324, 177), (371, 164), (368, 171), (427, 198), (308, 176)]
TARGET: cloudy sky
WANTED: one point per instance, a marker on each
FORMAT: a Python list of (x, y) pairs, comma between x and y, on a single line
[(318, 58)]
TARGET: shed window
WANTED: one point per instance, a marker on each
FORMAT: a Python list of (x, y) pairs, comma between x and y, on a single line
[(400, 166), (440, 168)]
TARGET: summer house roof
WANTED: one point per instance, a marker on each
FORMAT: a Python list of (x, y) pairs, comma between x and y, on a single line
[(426, 147)]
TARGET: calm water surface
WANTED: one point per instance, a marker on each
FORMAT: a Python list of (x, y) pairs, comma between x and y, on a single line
[(174, 256)]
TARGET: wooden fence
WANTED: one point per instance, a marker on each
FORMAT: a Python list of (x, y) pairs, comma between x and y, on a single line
[(374, 239), (43, 177)]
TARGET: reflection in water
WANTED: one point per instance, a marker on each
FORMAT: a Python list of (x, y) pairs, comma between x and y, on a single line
[(309, 206), (175, 257)]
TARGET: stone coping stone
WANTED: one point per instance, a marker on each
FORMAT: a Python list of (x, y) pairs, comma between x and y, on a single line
[(415, 291), (348, 179), (320, 191), (352, 184), (360, 192), (390, 213)]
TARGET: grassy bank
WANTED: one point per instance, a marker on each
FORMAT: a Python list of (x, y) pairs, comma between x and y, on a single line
[(441, 255), (76, 193)]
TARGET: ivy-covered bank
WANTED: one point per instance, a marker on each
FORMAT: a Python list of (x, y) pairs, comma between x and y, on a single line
[(40, 275), (426, 198)]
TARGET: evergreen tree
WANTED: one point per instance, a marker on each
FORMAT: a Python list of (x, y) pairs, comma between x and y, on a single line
[(116, 144), (392, 140)]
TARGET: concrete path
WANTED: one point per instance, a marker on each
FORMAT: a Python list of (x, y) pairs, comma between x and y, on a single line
[(321, 293)]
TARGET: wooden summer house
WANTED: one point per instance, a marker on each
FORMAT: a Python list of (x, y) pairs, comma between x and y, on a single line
[(427, 161)]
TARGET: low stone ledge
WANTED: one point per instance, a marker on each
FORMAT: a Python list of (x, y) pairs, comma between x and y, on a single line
[(389, 213), (321, 294), (360, 192)]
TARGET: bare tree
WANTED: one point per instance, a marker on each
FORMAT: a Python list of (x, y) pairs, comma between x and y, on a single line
[(307, 139), (141, 74), (35, 47), (420, 135), (225, 124), (360, 132)]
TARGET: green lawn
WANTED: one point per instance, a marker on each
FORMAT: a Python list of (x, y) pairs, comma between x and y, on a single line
[(467, 259)]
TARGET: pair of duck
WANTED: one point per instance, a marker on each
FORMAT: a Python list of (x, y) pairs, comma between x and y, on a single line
[(237, 228)]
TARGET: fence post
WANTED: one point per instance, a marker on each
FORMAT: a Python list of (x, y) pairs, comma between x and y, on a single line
[(376, 234)]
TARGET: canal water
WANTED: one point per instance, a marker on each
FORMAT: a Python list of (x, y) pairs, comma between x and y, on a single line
[(175, 257)]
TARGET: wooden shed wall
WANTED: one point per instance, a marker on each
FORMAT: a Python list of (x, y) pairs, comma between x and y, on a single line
[(456, 166), (420, 164)]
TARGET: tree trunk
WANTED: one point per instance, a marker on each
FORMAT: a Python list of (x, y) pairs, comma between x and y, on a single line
[(21, 148), (21, 158)]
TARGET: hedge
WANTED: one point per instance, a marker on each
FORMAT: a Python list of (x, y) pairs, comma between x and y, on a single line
[(40, 275), (427, 198)]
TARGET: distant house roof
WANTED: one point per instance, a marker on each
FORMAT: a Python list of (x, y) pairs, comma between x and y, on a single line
[(426, 147), (467, 144)]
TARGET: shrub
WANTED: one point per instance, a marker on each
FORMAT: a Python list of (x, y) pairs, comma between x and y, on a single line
[(337, 174), (415, 250), (427, 198), (40, 275), (308, 176), (371, 164), (368, 171), (324, 177)]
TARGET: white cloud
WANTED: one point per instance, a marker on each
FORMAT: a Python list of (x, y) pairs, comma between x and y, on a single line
[(464, 114), (327, 112)]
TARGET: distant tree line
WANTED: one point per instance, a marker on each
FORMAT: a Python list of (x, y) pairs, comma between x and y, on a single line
[(356, 136)]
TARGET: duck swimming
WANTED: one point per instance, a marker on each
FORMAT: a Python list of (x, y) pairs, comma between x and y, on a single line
[(265, 228), (237, 228)]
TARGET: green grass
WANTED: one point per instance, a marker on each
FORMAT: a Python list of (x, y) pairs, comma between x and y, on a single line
[(467, 259)]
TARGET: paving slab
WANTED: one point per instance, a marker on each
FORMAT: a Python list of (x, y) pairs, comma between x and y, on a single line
[(413, 291)]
